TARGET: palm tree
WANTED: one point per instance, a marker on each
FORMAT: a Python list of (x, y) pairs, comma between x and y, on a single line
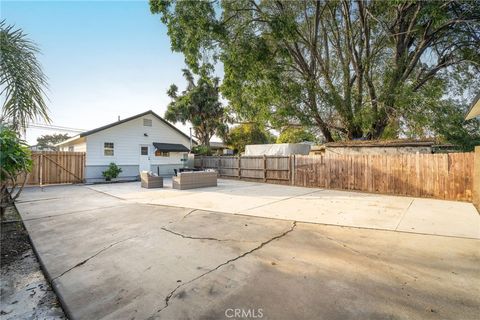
[(22, 80)]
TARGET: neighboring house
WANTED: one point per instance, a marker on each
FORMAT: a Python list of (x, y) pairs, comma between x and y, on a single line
[(40, 148), (399, 146), (142, 142), (220, 148), (474, 110)]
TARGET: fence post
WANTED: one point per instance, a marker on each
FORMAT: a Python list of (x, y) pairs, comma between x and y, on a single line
[(292, 165), (476, 178), (218, 165), (290, 169), (264, 168), (41, 169), (239, 167)]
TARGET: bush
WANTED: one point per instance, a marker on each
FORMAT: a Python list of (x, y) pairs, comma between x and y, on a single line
[(295, 135), (202, 150), (112, 172), (15, 160)]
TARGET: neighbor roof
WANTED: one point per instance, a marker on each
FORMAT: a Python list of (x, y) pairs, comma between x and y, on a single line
[(86, 133), (170, 147), (382, 143), (474, 108)]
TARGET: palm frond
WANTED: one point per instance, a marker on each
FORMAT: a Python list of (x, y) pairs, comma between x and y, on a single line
[(22, 80)]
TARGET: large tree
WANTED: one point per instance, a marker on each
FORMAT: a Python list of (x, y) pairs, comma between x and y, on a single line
[(350, 68), (198, 104), (22, 80)]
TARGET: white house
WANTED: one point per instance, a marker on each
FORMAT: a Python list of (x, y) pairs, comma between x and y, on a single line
[(142, 142)]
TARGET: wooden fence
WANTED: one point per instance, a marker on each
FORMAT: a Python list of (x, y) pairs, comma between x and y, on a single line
[(267, 168), (52, 167), (442, 176)]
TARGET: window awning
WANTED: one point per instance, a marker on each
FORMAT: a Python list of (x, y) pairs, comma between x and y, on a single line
[(170, 147)]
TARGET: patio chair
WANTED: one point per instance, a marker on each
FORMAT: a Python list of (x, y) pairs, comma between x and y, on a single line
[(149, 181)]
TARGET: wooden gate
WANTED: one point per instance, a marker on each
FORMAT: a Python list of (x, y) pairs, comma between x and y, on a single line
[(55, 167)]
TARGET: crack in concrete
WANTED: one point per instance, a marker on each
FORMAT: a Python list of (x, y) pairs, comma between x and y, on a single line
[(37, 200), (284, 199), (261, 245), (93, 256), (71, 212), (106, 193), (202, 238), (403, 214), (188, 213)]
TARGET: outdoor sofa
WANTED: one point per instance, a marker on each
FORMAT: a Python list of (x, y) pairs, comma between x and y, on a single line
[(150, 181), (194, 179)]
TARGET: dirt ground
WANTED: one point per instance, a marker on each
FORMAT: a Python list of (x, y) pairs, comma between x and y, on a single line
[(25, 293)]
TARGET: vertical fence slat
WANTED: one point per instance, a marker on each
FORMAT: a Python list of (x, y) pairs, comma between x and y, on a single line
[(443, 176)]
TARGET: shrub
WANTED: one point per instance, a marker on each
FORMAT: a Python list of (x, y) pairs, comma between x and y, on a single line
[(15, 160), (202, 150), (112, 172)]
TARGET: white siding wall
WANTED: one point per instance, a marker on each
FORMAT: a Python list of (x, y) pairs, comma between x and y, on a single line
[(81, 147), (78, 147), (127, 138)]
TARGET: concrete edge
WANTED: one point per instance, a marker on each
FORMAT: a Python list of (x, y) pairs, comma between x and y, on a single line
[(47, 274)]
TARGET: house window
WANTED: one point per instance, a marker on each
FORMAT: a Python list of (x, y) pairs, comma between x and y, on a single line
[(108, 148), (147, 122), (70, 148), (144, 151), (159, 153)]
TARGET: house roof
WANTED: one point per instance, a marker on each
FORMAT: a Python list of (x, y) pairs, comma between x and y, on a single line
[(170, 147), (217, 145), (86, 133), (474, 110), (381, 143)]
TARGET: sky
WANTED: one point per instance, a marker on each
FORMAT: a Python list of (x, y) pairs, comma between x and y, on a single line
[(103, 59)]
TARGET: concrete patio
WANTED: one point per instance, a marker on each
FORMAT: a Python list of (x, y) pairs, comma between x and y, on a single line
[(331, 207), (120, 252)]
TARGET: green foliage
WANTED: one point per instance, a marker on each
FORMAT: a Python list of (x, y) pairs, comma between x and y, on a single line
[(112, 172), (248, 133), (448, 120), (15, 160), (202, 150), (295, 135), (15, 156), (21, 79), (49, 140), (349, 68), (199, 104), (191, 41)]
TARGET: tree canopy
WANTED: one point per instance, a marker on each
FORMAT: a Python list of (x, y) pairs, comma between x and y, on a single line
[(353, 69), (295, 135), (199, 104), (247, 133), (49, 140), (22, 80)]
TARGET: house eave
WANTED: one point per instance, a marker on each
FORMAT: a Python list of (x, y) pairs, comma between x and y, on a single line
[(73, 140), (474, 110)]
